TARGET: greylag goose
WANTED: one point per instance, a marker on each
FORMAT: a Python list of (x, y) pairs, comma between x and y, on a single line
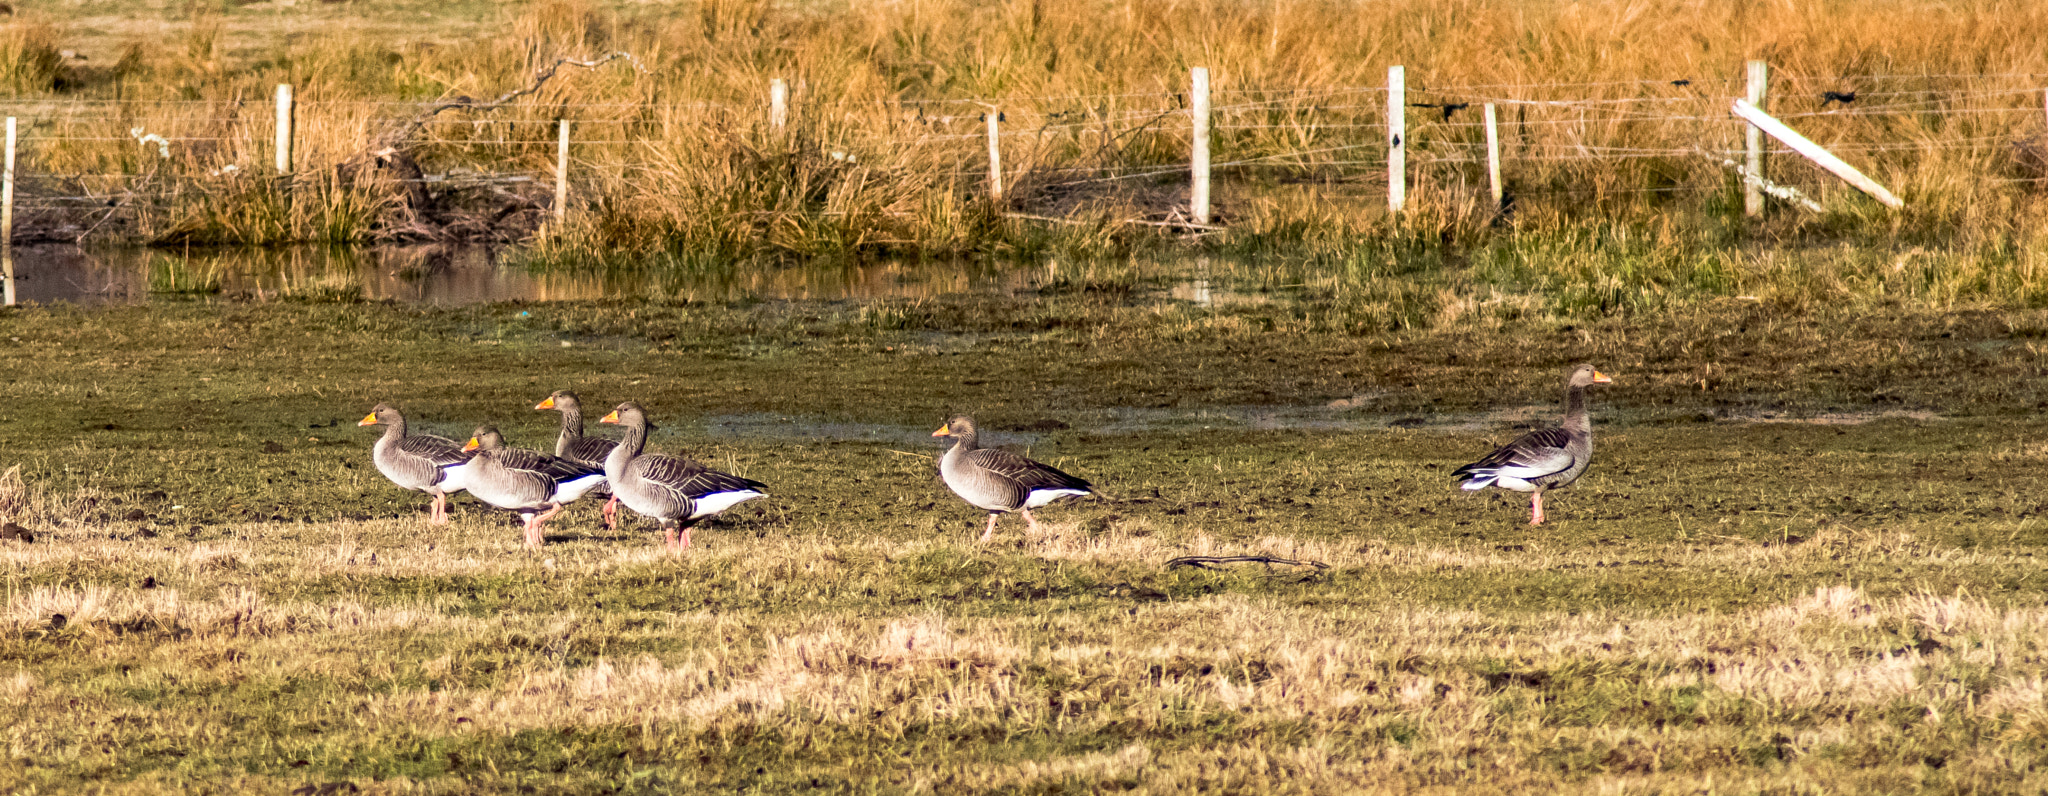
[(1550, 458), (419, 462), (999, 481), (529, 482), (677, 491), (575, 447)]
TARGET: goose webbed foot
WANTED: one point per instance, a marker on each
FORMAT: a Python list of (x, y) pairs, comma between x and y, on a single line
[(1031, 521), (611, 514), (1536, 509), (990, 534)]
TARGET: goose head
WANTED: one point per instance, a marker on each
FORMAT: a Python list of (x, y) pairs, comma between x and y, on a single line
[(1584, 375), (382, 414), (562, 400)]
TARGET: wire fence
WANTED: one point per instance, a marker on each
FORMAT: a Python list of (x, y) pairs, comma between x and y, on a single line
[(1613, 137)]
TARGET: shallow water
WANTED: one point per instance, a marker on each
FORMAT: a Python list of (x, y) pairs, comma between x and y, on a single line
[(449, 275)]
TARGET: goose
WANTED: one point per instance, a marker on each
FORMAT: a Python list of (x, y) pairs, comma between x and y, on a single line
[(1550, 458), (529, 482), (575, 447), (677, 491), (419, 462), (999, 481)]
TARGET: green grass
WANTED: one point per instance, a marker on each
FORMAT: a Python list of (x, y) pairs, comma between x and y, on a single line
[(1806, 559)]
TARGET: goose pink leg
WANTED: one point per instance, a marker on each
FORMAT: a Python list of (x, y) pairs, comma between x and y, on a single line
[(534, 535), (611, 514), (1536, 509), (678, 539), (990, 534)]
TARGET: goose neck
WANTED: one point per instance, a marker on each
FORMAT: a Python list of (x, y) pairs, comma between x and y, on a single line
[(1575, 415)]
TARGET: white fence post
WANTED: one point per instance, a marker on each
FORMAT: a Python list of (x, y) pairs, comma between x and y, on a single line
[(1198, 165), (778, 103), (1752, 193), (284, 128), (1493, 155), (1397, 143), (995, 154), (7, 202), (561, 171)]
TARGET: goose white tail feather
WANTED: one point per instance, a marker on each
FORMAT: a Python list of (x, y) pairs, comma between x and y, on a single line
[(707, 505)]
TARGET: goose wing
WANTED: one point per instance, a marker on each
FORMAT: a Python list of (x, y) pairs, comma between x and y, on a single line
[(689, 480), (1533, 455), (589, 450), (539, 463), (442, 451), (1032, 476)]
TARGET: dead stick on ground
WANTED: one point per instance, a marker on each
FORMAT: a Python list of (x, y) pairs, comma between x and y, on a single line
[(1205, 562)]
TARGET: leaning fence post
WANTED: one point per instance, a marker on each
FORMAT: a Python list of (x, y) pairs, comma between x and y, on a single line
[(778, 103), (1397, 145), (284, 129), (7, 203), (1493, 155), (1753, 193), (1198, 159), (561, 171), (995, 154)]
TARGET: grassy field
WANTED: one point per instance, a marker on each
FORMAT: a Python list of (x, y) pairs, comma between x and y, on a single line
[(1806, 558), (882, 157)]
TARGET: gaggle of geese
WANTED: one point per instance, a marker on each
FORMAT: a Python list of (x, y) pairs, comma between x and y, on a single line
[(679, 492)]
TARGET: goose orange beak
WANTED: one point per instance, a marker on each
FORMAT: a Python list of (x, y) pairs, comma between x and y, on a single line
[(547, 403), (944, 431), (611, 418), (1601, 378), (368, 420), (471, 445)]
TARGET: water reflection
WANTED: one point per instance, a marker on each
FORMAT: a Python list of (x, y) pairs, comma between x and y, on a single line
[(453, 275)]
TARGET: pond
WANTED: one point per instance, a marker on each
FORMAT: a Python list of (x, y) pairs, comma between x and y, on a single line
[(454, 275)]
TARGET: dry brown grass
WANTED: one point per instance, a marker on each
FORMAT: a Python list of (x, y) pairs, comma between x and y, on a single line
[(883, 155)]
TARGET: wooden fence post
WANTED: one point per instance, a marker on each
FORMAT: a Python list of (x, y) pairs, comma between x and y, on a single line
[(284, 129), (561, 171), (7, 203), (1753, 193), (778, 104), (1493, 155), (995, 154), (1198, 161), (1397, 144)]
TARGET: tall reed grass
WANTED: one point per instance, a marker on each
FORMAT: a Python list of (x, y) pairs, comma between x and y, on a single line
[(1604, 105)]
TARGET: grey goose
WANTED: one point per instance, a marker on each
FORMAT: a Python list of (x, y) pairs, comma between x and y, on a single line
[(575, 447), (1549, 458), (529, 482), (998, 481), (676, 491), (419, 462)]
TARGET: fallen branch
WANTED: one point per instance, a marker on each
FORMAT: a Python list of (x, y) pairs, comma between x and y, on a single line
[(1205, 562), (405, 131), (1139, 221), (1783, 192)]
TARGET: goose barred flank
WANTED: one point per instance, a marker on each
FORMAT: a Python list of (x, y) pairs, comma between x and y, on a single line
[(529, 482), (998, 481), (1550, 458), (419, 462), (676, 491), (575, 447)]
